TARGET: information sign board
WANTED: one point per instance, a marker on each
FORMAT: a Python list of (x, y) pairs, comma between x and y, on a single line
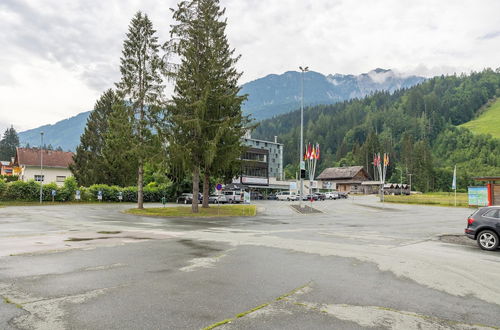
[(478, 196)]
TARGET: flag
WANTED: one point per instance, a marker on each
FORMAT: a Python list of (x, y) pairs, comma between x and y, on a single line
[(317, 151), (454, 183), (386, 159)]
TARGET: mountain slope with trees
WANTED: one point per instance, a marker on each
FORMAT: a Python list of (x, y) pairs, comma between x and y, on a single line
[(417, 126), (487, 121)]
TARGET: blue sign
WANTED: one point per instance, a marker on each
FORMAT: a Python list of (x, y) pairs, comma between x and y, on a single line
[(53, 192), (219, 186), (99, 195)]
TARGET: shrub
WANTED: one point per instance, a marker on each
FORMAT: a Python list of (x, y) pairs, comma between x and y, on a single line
[(23, 191), (3, 187), (30, 191), (69, 188)]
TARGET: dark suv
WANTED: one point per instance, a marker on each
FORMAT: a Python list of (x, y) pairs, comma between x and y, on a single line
[(484, 226)]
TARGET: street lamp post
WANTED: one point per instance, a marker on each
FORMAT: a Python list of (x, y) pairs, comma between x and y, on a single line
[(41, 167), (301, 161)]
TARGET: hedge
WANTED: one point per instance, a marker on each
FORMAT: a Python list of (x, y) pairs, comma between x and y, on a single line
[(30, 191)]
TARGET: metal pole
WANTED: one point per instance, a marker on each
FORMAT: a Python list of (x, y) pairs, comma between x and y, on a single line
[(409, 174), (41, 167), (302, 131)]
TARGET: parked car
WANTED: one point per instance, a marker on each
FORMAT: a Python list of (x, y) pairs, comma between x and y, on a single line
[(343, 195), (308, 197), (286, 196), (320, 196), (255, 195), (214, 199), (272, 197), (332, 195), (233, 196), (187, 198), (484, 227)]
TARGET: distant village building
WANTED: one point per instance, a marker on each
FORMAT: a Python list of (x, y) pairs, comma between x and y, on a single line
[(55, 165), (344, 179), (5, 168)]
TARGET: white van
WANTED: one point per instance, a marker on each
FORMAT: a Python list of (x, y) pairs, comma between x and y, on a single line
[(286, 196), (233, 196)]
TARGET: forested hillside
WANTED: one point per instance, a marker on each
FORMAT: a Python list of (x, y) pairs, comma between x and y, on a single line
[(417, 126)]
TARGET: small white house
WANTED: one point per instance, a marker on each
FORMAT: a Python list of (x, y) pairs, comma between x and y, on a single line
[(43, 165)]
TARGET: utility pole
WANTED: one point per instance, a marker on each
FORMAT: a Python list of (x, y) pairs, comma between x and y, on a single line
[(41, 167), (301, 161), (409, 174)]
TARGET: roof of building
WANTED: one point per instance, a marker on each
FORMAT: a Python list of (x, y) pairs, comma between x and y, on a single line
[(488, 178), (4, 163), (51, 158), (337, 173)]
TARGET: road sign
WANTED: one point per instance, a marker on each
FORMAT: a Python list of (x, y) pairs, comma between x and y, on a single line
[(99, 195), (120, 195), (77, 195), (218, 186), (53, 192), (302, 165)]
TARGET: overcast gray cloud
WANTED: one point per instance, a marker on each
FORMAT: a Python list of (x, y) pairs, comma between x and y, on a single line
[(58, 56)]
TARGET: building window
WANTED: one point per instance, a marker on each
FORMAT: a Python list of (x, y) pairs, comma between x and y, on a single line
[(60, 178), (39, 177)]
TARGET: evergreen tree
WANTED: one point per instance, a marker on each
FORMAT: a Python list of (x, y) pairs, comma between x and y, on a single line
[(205, 115), (141, 87), (8, 144), (119, 160), (88, 167)]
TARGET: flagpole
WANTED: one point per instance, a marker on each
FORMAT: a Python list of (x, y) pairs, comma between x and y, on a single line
[(454, 184)]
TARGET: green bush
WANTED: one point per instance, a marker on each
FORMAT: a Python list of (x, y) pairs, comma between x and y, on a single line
[(30, 191), (23, 191), (9, 178), (3, 187), (69, 188)]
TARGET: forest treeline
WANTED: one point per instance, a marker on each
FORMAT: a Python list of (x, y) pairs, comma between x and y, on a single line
[(418, 127)]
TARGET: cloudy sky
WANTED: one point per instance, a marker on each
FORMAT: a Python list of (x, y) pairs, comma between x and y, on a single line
[(57, 56)]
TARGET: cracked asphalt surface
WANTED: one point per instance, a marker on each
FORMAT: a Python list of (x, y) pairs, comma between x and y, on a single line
[(356, 265)]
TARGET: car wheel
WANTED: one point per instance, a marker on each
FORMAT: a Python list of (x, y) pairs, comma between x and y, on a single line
[(487, 240)]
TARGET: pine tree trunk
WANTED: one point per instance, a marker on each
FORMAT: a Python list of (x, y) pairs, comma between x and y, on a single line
[(206, 190), (140, 191), (196, 189)]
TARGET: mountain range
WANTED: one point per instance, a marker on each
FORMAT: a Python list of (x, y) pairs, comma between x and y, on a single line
[(269, 96), (277, 94)]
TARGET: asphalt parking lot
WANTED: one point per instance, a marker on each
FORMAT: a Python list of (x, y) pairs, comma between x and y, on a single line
[(358, 264)]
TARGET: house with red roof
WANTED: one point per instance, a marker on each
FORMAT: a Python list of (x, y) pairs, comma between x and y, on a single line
[(42, 165)]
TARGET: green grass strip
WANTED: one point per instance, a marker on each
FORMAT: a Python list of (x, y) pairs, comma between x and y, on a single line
[(185, 211)]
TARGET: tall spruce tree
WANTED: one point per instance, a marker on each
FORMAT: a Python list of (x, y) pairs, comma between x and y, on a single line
[(205, 113), (89, 167), (119, 159), (141, 86), (8, 144)]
